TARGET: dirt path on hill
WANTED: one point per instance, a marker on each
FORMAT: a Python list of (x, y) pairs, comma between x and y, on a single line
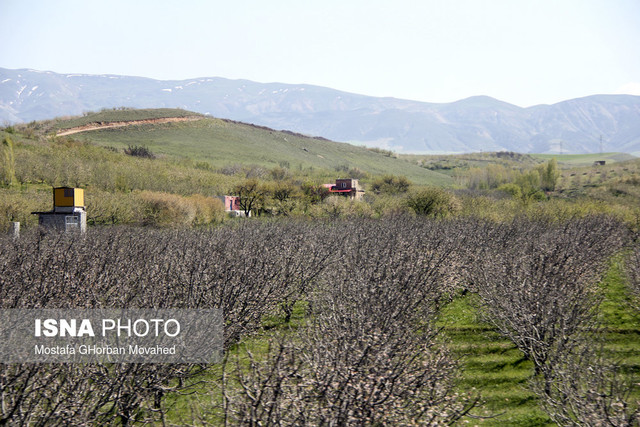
[(107, 125)]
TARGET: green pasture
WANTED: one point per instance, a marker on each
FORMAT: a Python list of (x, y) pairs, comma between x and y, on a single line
[(221, 143), (576, 160)]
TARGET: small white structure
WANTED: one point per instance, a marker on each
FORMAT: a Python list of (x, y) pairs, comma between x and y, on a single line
[(15, 230)]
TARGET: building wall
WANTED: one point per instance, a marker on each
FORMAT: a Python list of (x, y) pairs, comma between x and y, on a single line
[(345, 184), (350, 184), (74, 221), (231, 203)]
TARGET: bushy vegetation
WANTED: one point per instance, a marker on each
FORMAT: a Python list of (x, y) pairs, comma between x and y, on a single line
[(190, 165), (527, 184), (139, 151), (390, 184), (8, 162), (433, 202)]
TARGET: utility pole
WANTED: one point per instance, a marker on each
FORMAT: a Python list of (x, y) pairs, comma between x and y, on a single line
[(600, 144)]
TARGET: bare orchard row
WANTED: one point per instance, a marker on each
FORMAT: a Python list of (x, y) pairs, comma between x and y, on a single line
[(368, 351)]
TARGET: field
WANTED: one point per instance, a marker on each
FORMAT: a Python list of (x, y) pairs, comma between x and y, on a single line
[(396, 321), (586, 159), (495, 289), (222, 143)]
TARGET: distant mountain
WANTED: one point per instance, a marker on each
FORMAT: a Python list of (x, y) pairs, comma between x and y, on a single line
[(473, 124)]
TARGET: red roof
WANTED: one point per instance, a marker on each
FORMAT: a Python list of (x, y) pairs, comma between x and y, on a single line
[(340, 191)]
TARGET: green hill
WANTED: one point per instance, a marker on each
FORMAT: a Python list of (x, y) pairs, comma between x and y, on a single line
[(221, 143), (162, 167), (186, 159)]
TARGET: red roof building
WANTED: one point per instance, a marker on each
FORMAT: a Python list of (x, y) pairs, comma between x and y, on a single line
[(346, 187)]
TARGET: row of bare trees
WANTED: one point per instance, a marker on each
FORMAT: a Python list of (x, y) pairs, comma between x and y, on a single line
[(246, 271), (538, 286), (633, 269), (368, 351)]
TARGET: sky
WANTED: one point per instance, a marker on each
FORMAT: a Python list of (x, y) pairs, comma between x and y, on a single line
[(525, 52)]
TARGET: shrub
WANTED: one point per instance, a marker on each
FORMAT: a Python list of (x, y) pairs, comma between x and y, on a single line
[(113, 208), (433, 201), (338, 206), (139, 151), (313, 193), (391, 184), (279, 173), (17, 205), (208, 210), (164, 209), (385, 205), (8, 162)]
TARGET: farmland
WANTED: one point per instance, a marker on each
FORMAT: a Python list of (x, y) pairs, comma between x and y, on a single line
[(488, 288), (395, 322)]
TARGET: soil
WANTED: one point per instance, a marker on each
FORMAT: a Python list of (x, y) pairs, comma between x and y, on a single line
[(107, 125)]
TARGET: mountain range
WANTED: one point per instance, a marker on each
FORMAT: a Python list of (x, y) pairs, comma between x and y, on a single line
[(583, 125)]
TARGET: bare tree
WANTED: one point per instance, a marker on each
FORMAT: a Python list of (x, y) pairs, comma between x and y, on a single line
[(633, 272), (537, 281), (368, 353), (538, 287), (581, 388), (239, 269)]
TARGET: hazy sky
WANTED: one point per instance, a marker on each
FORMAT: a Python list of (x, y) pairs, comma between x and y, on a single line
[(523, 52)]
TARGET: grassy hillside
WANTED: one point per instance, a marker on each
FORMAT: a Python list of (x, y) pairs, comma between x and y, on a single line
[(576, 160), (454, 164), (222, 143), (191, 161), (116, 115), (200, 157)]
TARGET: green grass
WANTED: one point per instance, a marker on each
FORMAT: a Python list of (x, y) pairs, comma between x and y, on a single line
[(620, 321), (575, 160), (205, 397), (492, 367), (119, 115), (222, 143)]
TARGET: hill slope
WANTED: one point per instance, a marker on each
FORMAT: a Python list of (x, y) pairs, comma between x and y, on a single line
[(221, 143), (473, 124)]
